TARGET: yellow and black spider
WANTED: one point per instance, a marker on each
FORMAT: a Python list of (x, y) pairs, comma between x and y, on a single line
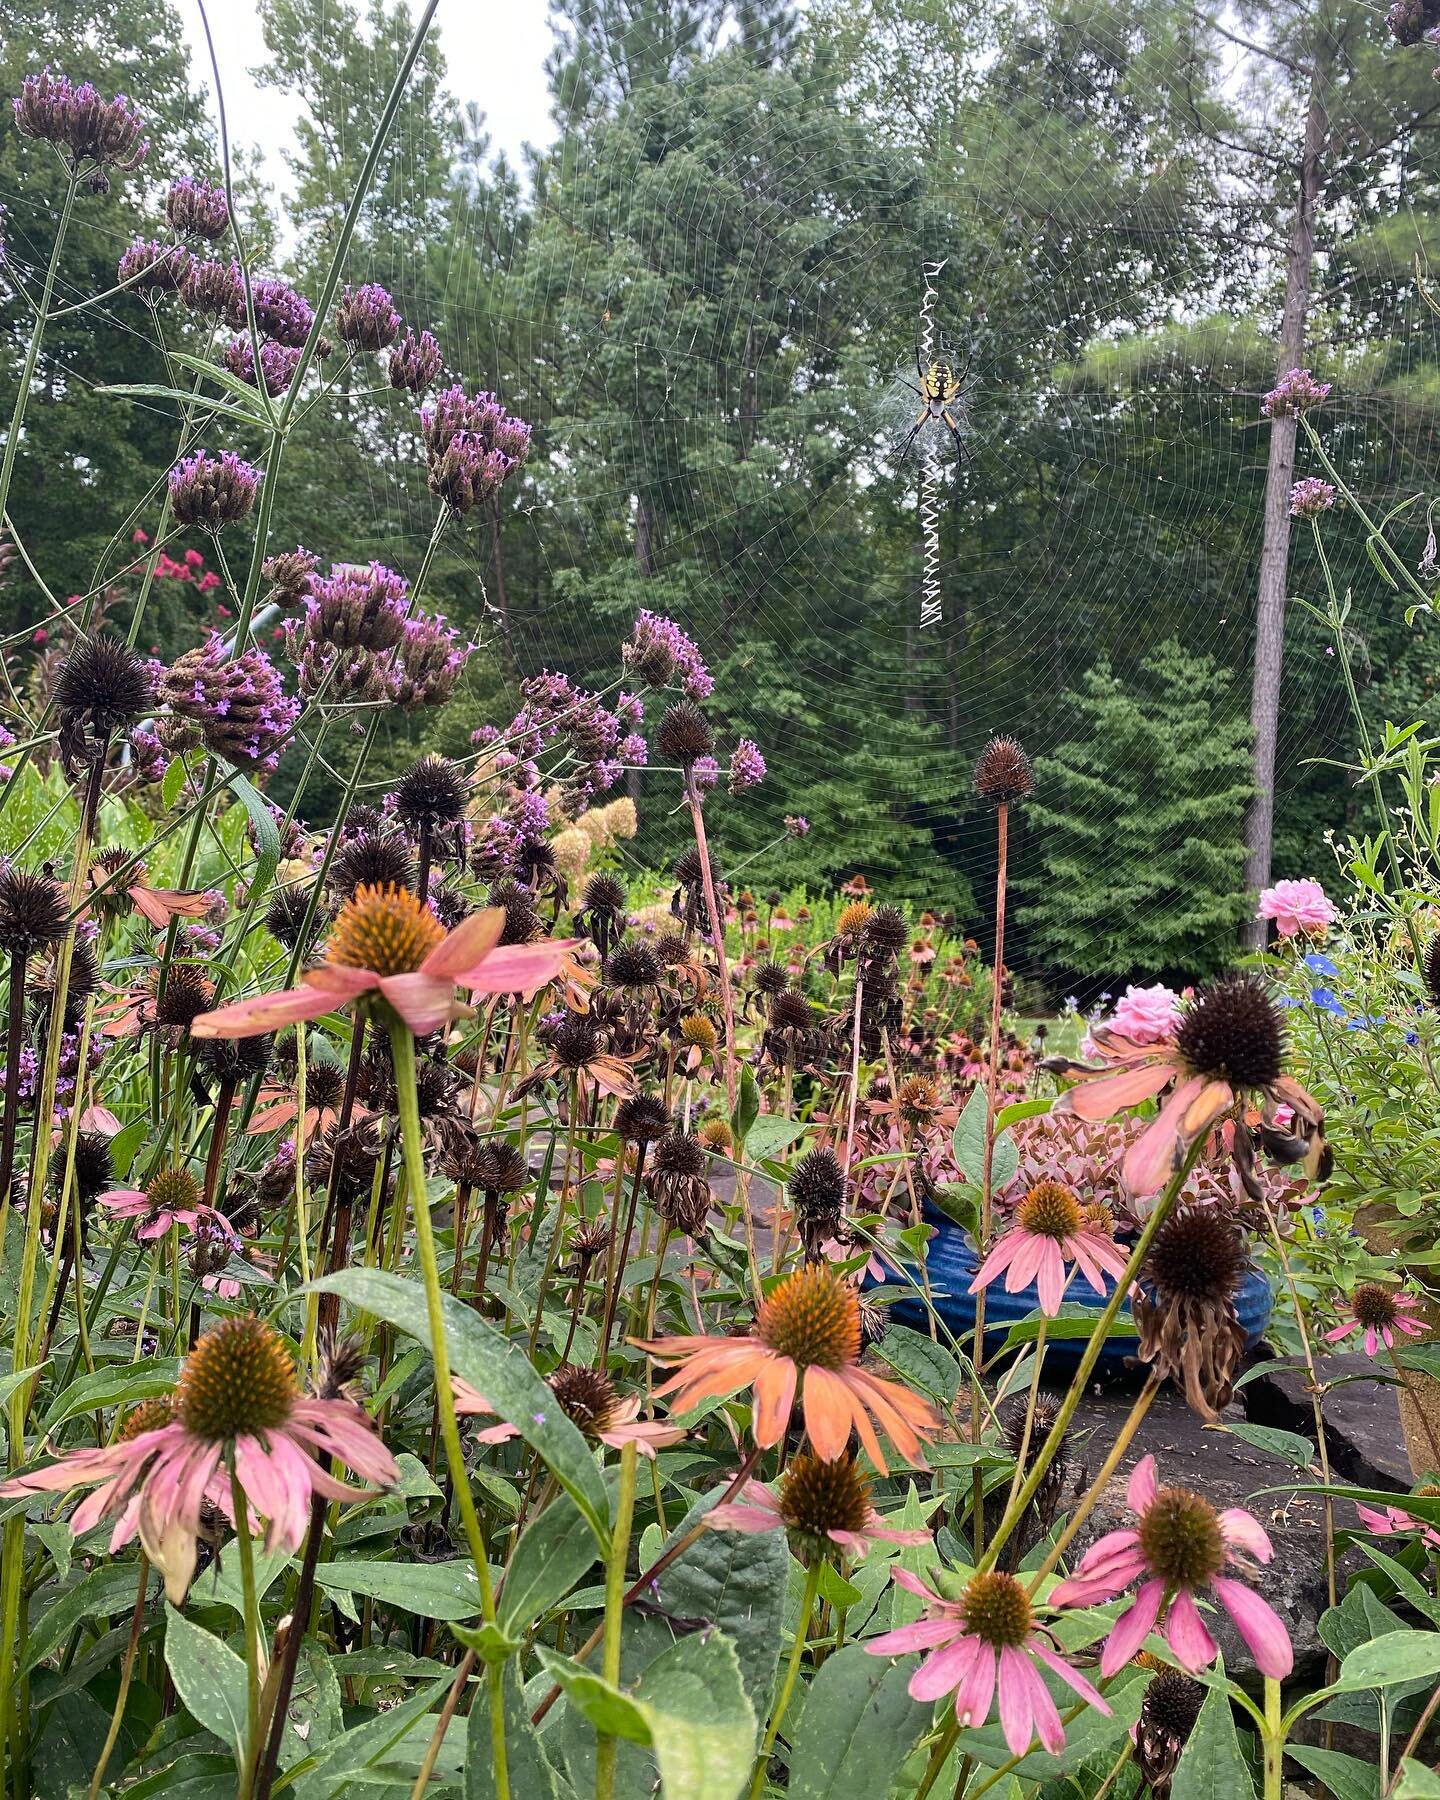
[(940, 387)]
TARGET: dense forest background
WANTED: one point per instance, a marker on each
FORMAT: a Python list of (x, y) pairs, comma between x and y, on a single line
[(703, 296)]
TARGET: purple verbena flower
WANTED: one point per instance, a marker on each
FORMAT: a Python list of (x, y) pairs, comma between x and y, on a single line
[(747, 766), (278, 363), (77, 119), (660, 652), (472, 445), (1295, 392), (214, 288), (706, 772), (431, 658), (238, 703), (467, 473), (196, 209), (797, 825), (280, 312), (1310, 497), (366, 318), (415, 363), (150, 267), (212, 491)]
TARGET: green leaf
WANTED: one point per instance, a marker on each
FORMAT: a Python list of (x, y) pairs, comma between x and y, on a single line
[(209, 1677), (263, 829), (1385, 1662), (221, 376), (501, 1371), (121, 1384), (1413, 1589), (770, 1134), (858, 1727), (105, 1592), (1023, 1109), (1417, 1782), (747, 1105), (1212, 1764), (330, 1772), (554, 1551), (528, 1767), (967, 1144), (152, 390), (125, 1144), (177, 771), (1343, 1777), (1290, 1445), (921, 1362), (689, 1706), (445, 1590)]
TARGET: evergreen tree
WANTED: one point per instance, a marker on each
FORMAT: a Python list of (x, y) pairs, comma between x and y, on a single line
[(1136, 825)]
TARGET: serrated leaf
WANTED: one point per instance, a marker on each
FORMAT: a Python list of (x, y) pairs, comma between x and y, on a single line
[(209, 1678), (921, 1362), (1385, 1662), (498, 1368), (770, 1134), (858, 1727)]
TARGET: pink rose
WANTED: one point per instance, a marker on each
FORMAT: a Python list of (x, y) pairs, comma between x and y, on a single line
[(1297, 906), (1146, 1014)]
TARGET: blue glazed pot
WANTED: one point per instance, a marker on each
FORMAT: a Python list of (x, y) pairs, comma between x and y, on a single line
[(952, 1263)]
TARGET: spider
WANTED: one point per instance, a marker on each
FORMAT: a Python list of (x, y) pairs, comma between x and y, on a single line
[(940, 387)]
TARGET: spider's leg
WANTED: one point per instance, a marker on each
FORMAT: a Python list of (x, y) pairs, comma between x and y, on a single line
[(913, 389), (919, 366), (960, 448), (908, 440)]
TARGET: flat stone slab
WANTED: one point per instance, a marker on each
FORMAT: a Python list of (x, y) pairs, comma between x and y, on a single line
[(1362, 1417)]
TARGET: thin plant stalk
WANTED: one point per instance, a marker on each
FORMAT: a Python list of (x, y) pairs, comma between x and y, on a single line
[(607, 1747), (127, 1670), (792, 1675), (32, 349)]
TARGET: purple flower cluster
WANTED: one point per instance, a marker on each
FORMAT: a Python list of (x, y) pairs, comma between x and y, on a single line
[(154, 268), (705, 772), (213, 288), (357, 607), (747, 766), (797, 825), (277, 363), (660, 652), (212, 491), (105, 132), (366, 318), (1310, 497), (280, 312), (431, 659), (472, 445), (415, 363), (1295, 392), (196, 209), (237, 703), (151, 762)]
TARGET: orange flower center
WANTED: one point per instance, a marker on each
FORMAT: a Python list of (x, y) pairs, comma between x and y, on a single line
[(1050, 1209), (149, 1415), (173, 1190), (817, 1497), (239, 1378), (997, 1610), (813, 1319), (384, 929), (1181, 1538), (852, 919)]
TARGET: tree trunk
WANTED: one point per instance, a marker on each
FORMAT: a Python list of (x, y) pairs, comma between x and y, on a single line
[(1275, 541)]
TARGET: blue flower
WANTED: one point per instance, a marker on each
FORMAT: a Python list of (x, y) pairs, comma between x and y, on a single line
[(1326, 1001), (1321, 965)]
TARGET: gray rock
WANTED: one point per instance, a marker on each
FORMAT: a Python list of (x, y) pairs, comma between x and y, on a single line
[(1362, 1417)]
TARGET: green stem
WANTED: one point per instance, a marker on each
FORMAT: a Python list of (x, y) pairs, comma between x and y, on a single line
[(607, 1748), (402, 1052), (251, 1605), (792, 1675), (32, 351), (1273, 1737)]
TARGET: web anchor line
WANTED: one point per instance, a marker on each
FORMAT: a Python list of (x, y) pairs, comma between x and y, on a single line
[(931, 611)]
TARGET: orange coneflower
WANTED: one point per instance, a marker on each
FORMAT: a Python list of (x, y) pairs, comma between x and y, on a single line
[(806, 1342)]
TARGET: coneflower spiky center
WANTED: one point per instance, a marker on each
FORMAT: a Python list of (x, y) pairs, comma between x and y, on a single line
[(1374, 1306), (384, 929), (817, 1497), (149, 1415), (1234, 1032), (997, 1610), (173, 1190), (1050, 1209), (698, 1032), (586, 1397), (1181, 1538), (239, 1379), (853, 919), (1172, 1702), (813, 1319)]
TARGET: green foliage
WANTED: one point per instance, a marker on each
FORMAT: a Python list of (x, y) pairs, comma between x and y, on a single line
[(1138, 818)]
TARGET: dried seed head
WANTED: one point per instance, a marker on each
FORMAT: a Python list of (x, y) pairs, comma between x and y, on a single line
[(684, 735), (372, 859), (818, 1188), (285, 915), (603, 892), (770, 977), (238, 1380), (431, 792), (1003, 774), (1234, 1032), (33, 912), (94, 1168), (1173, 1701), (791, 1011), (587, 1398), (885, 932), (1197, 1254), (184, 994), (813, 1318), (499, 1168), (641, 1119), (632, 964)]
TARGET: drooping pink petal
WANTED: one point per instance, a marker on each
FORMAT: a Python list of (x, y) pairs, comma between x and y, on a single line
[(1132, 1628), (321, 990), (1259, 1625), (945, 1669), (1105, 1095), (997, 1261), (160, 905), (468, 944), (973, 1696), (1142, 1487), (1150, 1158), (731, 1515), (1036, 1715), (1246, 1533), (1071, 1677), (774, 1398), (423, 1001), (924, 1634), (1186, 1634), (518, 968), (1050, 1284)]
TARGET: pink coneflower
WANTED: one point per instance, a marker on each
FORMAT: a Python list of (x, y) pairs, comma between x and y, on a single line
[(1180, 1545), (1379, 1312), (987, 1639), (157, 906), (1391, 1521), (237, 1402), (387, 943), (819, 1504), (1297, 906), (588, 1399), (171, 1198), (1048, 1243), (1229, 1045)]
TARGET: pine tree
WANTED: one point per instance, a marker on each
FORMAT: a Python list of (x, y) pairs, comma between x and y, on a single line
[(1136, 824)]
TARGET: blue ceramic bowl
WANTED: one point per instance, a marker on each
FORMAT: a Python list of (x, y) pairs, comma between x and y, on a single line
[(952, 1263)]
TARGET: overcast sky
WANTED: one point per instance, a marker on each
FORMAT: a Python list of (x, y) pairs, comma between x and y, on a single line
[(494, 56)]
